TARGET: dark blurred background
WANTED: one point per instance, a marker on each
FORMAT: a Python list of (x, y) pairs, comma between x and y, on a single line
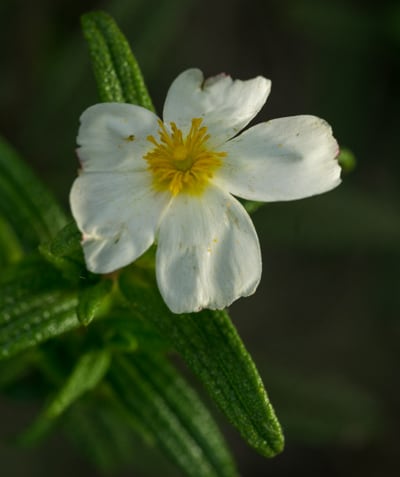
[(324, 325)]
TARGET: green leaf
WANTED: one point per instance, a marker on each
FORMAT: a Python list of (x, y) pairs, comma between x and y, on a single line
[(211, 347), (92, 299), (117, 72), (10, 246), (99, 430), (124, 331), (29, 275), (26, 278), (24, 201), (172, 412), (88, 372), (67, 242), (33, 306), (65, 252), (35, 319)]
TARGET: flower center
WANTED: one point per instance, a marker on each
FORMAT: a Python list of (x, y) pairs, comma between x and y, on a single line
[(182, 164)]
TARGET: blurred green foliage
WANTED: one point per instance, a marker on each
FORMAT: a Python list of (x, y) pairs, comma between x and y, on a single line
[(325, 320)]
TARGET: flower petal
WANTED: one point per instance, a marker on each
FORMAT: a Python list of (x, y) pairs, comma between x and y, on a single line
[(113, 136), (283, 159), (118, 214), (208, 253), (225, 105)]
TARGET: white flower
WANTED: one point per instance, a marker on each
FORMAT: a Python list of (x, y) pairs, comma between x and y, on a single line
[(173, 182)]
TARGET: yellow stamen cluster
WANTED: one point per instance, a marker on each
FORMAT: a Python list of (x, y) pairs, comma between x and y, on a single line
[(182, 164)]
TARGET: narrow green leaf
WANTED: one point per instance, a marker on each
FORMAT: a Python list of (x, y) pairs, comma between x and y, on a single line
[(25, 304), (35, 320), (10, 246), (24, 201), (154, 392), (67, 242), (211, 347), (99, 430), (116, 70), (122, 330), (26, 278), (65, 252), (88, 372), (92, 299), (19, 214)]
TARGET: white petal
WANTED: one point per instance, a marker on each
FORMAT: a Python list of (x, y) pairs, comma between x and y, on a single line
[(118, 214), (113, 136), (208, 253), (283, 159), (225, 105)]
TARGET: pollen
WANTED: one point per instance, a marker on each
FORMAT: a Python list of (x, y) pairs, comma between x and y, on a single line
[(182, 164)]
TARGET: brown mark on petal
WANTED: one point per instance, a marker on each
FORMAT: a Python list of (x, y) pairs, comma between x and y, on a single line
[(79, 159)]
